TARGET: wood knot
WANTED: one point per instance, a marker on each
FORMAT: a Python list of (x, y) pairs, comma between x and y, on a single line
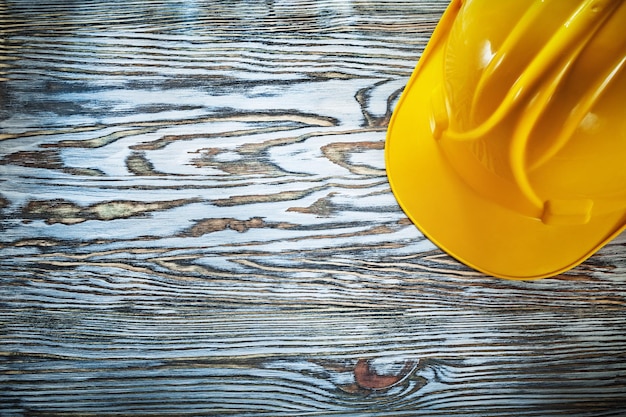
[(376, 375)]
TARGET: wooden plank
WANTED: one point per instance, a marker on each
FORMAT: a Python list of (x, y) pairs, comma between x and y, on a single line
[(196, 221)]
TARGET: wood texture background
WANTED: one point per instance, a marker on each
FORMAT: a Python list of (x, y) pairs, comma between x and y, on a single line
[(195, 220)]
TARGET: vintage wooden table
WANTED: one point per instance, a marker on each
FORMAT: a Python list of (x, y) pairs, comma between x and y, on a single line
[(196, 221)]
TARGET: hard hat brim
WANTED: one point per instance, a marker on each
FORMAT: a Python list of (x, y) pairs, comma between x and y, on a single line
[(478, 232)]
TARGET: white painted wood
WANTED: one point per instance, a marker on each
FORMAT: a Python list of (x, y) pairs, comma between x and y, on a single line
[(196, 221)]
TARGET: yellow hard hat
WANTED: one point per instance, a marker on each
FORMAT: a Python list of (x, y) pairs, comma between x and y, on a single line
[(508, 146)]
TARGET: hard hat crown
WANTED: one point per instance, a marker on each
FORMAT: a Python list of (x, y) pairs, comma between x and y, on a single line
[(531, 112)]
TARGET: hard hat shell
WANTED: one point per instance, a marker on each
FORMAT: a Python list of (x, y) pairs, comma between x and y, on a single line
[(508, 145)]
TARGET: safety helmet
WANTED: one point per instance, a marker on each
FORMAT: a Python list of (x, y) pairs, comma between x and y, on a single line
[(508, 146)]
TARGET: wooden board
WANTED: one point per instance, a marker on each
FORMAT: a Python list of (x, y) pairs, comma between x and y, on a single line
[(196, 221)]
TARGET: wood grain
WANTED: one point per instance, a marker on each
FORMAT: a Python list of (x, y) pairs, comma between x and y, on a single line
[(196, 220)]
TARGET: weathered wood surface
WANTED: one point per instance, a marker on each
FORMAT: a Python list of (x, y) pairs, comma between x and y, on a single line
[(196, 221)]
